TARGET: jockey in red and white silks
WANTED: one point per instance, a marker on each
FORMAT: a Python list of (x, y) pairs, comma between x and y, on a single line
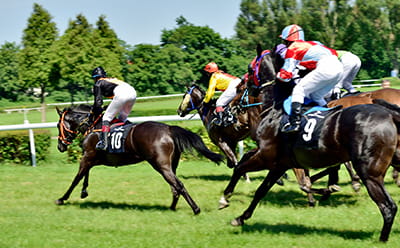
[(326, 70)]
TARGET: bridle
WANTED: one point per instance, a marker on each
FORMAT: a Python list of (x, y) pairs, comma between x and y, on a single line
[(67, 135), (64, 129), (192, 106)]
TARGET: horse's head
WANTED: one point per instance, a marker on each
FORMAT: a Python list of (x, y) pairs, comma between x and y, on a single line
[(192, 99), (262, 69), (72, 121)]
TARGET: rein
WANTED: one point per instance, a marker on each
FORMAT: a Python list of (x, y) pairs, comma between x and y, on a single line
[(64, 129)]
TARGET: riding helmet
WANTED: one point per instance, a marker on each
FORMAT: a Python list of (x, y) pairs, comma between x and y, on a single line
[(211, 67), (99, 72), (292, 32)]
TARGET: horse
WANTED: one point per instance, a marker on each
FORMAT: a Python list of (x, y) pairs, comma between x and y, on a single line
[(388, 94), (346, 135), (226, 138), (157, 143), (262, 70)]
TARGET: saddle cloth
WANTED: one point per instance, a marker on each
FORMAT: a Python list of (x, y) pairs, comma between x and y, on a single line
[(117, 137), (311, 124)]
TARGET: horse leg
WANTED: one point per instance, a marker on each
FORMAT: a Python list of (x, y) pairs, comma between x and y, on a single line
[(175, 193), (174, 182), (240, 170), (395, 176), (84, 192), (355, 179), (83, 170), (385, 203), (229, 150), (262, 190), (303, 179)]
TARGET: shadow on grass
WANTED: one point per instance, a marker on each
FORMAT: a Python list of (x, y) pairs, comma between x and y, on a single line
[(112, 205), (224, 178), (304, 230), (284, 198)]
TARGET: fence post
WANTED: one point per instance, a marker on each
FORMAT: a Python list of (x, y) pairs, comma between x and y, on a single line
[(31, 141)]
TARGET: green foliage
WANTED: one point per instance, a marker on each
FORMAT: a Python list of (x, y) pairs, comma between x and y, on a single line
[(54, 65), (15, 147), (35, 68), (9, 87)]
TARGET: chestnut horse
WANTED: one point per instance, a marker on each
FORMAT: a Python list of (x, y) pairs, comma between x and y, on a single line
[(226, 138), (346, 135), (159, 144)]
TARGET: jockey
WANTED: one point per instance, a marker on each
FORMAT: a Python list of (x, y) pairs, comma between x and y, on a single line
[(123, 95), (325, 67), (221, 81), (351, 66)]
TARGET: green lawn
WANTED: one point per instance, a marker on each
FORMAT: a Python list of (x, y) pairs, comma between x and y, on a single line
[(128, 207)]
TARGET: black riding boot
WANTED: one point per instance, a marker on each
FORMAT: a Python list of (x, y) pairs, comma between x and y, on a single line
[(102, 144), (294, 119)]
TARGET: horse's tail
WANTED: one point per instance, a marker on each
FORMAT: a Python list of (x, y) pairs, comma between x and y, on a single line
[(185, 139)]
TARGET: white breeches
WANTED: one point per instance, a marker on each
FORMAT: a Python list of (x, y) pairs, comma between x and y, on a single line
[(316, 84), (227, 96), (122, 103), (351, 66)]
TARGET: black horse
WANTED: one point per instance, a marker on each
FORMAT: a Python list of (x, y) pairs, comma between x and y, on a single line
[(346, 135), (159, 144)]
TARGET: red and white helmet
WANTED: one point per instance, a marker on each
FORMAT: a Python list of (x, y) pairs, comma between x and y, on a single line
[(292, 32), (211, 67)]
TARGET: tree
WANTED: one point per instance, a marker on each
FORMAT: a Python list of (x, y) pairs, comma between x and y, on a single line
[(9, 87), (262, 22), (35, 67)]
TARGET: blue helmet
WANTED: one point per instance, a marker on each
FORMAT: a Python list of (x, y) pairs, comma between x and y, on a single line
[(292, 32)]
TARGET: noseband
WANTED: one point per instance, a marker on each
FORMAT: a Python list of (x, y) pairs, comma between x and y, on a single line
[(189, 92), (63, 130)]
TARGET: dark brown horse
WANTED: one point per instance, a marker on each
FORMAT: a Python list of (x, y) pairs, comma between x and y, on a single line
[(346, 135), (159, 144), (263, 70), (388, 94)]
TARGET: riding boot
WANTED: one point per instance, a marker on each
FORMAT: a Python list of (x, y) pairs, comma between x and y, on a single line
[(220, 116), (102, 144), (294, 119)]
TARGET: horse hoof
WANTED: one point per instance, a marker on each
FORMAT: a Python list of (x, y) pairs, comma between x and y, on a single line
[(334, 188), (356, 187), (237, 222), (223, 203), (84, 194), (196, 211), (59, 202)]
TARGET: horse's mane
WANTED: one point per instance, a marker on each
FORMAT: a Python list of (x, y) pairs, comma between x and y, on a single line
[(80, 108), (198, 86)]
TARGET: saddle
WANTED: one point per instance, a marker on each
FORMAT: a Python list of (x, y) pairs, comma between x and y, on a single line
[(117, 136), (312, 121)]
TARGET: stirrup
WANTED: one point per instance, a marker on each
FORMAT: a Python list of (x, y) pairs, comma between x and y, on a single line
[(101, 146), (289, 128)]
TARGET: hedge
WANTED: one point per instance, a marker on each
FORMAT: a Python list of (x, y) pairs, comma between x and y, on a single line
[(15, 146)]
